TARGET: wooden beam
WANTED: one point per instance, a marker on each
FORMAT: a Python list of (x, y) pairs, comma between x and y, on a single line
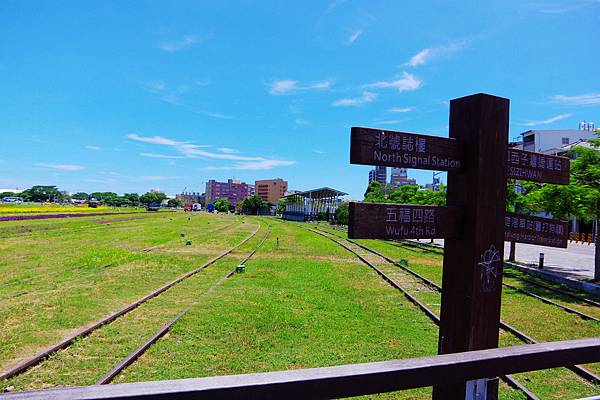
[(343, 380), (472, 273)]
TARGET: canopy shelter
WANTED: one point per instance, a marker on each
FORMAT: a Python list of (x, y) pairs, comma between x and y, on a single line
[(306, 206)]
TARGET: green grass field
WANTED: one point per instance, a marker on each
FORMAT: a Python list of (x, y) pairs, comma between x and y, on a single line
[(303, 302)]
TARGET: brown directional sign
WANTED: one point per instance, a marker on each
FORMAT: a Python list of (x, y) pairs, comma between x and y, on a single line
[(400, 149), (535, 230), (402, 221), (529, 166)]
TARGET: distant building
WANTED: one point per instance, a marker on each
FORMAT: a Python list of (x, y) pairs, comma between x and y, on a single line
[(549, 141), (400, 177), (378, 174), (313, 204), (189, 198), (271, 190), (233, 191)]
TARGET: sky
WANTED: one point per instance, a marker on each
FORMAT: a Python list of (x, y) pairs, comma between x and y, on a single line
[(127, 96)]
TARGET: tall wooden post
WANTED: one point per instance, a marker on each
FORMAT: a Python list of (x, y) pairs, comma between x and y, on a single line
[(472, 276)]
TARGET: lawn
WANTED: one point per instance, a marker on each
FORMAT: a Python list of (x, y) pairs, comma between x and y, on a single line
[(303, 302)]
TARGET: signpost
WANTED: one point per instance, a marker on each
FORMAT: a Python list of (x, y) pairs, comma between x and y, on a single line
[(474, 222), (535, 230), (402, 221)]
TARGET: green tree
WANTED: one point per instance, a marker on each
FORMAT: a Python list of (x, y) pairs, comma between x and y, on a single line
[(152, 197), (281, 206), (222, 205), (375, 192), (120, 201), (80, 196), (175, 203), (43, 193), (585, 170), (252, 205), (133, 198), (580, 198), (342, 213)]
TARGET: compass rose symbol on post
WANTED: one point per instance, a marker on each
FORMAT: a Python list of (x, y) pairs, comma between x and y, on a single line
[(489, 269)]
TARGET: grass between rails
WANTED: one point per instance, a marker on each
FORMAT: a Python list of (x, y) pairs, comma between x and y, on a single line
[(303, 302), (90, 358), (293, 312), (73, 289), (541, 321)]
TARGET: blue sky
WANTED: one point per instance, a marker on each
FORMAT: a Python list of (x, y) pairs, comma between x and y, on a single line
[(127, 96)]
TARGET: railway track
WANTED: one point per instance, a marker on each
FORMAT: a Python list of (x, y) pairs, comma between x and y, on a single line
[(137, 353), (427, 247), (39, 291), (65, 343), (581, 371)]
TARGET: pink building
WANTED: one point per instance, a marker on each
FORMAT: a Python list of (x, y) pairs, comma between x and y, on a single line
[(233, 190)]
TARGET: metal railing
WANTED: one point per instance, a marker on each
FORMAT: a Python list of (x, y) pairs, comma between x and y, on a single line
[(344, 380)]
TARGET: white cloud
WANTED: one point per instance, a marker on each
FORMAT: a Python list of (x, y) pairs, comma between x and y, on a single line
[(419, 58), (548, 121), (367, 97), (581, 100), (287, 86), (190, 150), (401, 109), (387, 122), (90, 147), (227, 150), (154, 155), (318, 152), (429, 53), (408, 82), (181, 43), (159, 177), (257, 165), (354, 36), (155, 140), (61, 167)]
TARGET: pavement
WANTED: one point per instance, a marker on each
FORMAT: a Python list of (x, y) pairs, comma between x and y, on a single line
[(574, 262)]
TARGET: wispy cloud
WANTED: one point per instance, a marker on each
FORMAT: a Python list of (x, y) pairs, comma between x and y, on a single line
[(182, 42), (154, 155), (257, 165), (301, 121), (288, 86), (227, 150), (175, 95), (160, 177), (90, 147), (354, 36), (61, 167), (407, 82), (191, 150), (429, 53), (580, 100), (400, 109), (562, 7), (387, 122), (548, 121), (318, 152), (367, 97)]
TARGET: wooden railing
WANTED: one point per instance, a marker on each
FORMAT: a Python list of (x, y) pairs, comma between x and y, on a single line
[(344, 380)]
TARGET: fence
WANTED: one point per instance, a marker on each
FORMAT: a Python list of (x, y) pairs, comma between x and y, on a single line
[(344, 380)]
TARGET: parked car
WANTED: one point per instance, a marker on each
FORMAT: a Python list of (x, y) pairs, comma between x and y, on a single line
[(12, 199), (153, 207)]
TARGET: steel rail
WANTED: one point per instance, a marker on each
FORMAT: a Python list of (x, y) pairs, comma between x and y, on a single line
[(511, 381), (25, 365), (137, 353), (579, 370)]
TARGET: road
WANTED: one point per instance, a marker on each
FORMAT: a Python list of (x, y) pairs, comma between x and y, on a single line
[(576, 261)]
